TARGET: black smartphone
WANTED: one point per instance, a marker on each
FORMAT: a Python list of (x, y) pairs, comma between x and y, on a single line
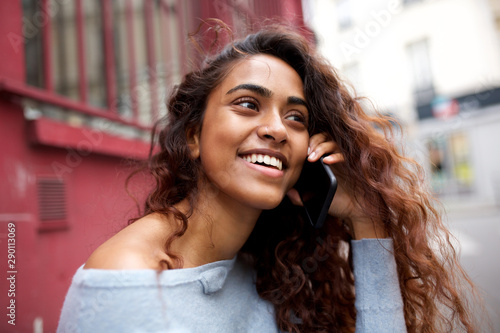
[(316, 186)]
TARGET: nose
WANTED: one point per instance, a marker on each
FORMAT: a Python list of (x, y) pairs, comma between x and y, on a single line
[(272, 128)]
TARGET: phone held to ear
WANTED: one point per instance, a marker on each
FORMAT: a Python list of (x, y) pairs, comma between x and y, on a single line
[(316, 186)]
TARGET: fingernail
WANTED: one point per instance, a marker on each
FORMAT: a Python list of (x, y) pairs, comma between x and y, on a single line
[(313, 155), (308, 150)]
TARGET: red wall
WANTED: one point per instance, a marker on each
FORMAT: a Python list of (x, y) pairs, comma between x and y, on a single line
[(97, 204), (46, 260)]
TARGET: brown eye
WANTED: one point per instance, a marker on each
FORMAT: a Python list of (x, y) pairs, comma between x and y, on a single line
[(297, 117), (249, 105)]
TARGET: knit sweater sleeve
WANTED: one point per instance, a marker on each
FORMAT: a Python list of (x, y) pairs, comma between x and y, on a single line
[(378, 303)]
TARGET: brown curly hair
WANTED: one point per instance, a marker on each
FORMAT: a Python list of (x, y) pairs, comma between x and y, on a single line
[(308, 273)]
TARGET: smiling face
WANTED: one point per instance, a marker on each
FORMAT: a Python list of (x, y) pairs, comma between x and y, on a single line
[(253, 141)]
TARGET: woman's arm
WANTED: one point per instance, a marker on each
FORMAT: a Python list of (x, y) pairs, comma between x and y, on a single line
[(378, 302)]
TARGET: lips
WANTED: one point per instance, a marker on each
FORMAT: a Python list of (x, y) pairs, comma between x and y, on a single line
[(265, 157)]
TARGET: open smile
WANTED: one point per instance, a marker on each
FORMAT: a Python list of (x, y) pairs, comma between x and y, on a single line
[(265, 157), (264, 160)]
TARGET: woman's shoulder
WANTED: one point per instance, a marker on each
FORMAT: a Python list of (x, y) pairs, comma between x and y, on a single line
[(137, 246)]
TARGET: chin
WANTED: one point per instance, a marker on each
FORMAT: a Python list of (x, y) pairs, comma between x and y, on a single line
[(270, 204)]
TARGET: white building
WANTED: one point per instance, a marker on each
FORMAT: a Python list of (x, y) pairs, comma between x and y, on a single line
[(435, 65)]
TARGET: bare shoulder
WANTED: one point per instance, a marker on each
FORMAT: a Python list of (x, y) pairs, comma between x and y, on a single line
[(138, 246), (118, 256)]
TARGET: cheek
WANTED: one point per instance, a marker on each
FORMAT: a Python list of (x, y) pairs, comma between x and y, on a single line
[(218, 148), (301, 146), (219, 141), (296, 174)]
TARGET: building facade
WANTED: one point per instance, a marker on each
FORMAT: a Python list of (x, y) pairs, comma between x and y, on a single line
[(434, 65), (81, 84)]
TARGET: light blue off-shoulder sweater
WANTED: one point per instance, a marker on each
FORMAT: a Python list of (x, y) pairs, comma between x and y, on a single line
[(218, 297)]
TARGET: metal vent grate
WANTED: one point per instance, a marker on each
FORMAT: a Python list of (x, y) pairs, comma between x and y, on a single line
[(51, 199)]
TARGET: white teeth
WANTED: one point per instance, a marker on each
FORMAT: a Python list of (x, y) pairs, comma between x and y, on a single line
[(266, 159)]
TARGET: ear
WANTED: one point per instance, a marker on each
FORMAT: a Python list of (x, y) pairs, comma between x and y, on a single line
[(193, 141)]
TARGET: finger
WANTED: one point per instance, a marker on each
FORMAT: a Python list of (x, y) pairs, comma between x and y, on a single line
[(322, 149), (334, 158), (316, 139)]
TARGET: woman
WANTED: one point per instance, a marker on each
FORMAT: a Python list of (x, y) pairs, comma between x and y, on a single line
[(222, 245)]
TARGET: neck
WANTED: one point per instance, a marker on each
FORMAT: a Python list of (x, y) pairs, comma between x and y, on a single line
[(217, 230)]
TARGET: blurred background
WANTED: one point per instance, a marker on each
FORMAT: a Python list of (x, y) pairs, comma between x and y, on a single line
[(82, 82)]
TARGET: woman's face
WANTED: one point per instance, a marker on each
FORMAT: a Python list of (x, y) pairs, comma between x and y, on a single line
[(253, 141)]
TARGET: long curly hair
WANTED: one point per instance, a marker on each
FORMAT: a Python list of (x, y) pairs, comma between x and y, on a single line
[(308, 273)]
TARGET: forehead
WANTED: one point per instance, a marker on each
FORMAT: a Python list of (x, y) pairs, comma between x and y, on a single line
[(267, 71)]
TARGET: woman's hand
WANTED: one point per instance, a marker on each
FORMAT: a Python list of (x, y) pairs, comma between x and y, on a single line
[(343, 206)]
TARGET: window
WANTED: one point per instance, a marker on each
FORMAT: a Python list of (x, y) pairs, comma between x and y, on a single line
[(450, 164), (93, 59), (32, 46), (94, 51), (423, 85), (344, 14)]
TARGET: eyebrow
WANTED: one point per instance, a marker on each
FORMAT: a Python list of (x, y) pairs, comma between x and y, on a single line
[(264, 92), (296, 100)]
